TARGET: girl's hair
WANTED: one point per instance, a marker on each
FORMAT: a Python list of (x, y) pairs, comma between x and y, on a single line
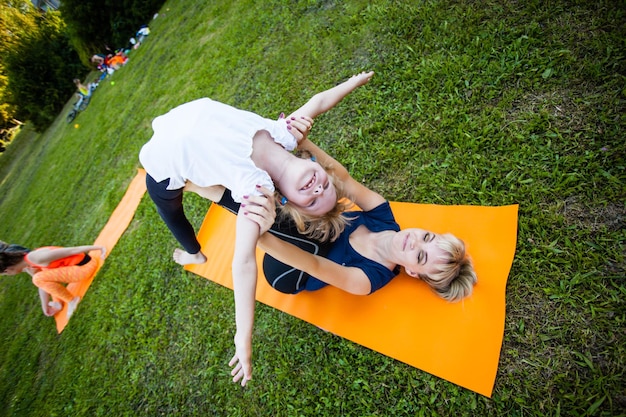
[(326, 227), (455, 278), (11, 255)]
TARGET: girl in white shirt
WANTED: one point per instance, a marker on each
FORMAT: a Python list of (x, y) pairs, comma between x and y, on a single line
[(205, 143)]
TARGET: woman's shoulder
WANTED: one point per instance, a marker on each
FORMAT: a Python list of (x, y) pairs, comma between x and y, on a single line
[(379, 218), (383, 207), (381, 211)]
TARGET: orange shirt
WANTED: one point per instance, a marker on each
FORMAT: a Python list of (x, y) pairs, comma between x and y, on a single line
[(58, 263)]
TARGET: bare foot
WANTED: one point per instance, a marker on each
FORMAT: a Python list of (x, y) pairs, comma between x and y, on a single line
[(55, 305), (71, 306), (53, 308), (185, 258)]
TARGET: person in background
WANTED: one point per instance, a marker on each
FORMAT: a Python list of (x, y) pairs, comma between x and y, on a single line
[(51, 267)]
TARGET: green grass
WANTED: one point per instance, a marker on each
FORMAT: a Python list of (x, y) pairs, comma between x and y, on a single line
[(492, 102)]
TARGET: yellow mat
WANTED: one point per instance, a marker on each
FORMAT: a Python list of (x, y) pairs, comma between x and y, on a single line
[(110, 234), (458, 342)]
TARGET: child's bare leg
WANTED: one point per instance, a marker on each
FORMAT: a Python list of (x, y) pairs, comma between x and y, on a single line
[(213, 192), (182, 257)]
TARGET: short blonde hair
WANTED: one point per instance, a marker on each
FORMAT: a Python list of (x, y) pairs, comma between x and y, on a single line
[(455, 278), (328, 226)]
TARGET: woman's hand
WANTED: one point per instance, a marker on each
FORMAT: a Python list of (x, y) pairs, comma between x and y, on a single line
[(261, 209)]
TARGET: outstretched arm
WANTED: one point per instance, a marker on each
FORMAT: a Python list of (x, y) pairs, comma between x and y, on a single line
[(301, 121), (326, 100), (244, 288)]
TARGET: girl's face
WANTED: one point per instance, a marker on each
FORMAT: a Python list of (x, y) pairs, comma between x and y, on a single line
[(417, 251), (12, 270), (308, 186)]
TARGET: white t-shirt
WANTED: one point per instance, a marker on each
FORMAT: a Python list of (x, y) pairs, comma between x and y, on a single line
[(210, 143)]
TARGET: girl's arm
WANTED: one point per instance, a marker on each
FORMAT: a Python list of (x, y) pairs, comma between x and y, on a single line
[(44, 256), (350, 279), (362, 196), (326, 100), (320, 103), (244, 288)]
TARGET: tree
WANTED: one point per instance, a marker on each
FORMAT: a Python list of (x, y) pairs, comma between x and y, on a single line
[(88, 26), (40, 54), (17, 17), (39, 64), (94, 25)]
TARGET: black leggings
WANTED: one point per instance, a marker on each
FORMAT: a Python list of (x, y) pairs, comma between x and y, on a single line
[(280, 276), (169, 205)]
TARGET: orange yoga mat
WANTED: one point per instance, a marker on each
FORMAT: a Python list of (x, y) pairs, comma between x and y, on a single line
[(110, 234), (458, 342)]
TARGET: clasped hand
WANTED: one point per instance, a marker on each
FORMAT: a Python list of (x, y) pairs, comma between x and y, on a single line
[(261, 209), (299, 126)]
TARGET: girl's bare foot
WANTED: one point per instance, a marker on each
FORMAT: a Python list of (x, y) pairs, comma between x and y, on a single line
[(71, 306), (55, 305), (53, 308), (185, 258)]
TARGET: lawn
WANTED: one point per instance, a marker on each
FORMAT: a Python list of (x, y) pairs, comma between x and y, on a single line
[(482, 103)]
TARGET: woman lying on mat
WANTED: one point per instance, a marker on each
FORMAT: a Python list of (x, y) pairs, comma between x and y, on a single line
[(367, 254), (364, 258), (205, 143), (51, 267)]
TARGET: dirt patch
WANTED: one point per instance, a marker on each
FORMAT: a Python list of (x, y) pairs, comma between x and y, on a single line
[(594, 218)]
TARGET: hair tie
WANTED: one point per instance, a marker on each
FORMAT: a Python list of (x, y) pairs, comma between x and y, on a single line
[(313, 158)]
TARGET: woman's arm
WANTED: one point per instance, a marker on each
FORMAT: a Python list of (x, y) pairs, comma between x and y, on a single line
[(326, 100), (350, 279), (44, 256), (363, 197)]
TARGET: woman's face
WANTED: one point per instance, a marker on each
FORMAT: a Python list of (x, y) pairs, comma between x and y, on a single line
[(417, 251), (307, 185)]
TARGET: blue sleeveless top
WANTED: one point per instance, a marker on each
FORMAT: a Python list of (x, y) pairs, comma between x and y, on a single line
[(376, 220)]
